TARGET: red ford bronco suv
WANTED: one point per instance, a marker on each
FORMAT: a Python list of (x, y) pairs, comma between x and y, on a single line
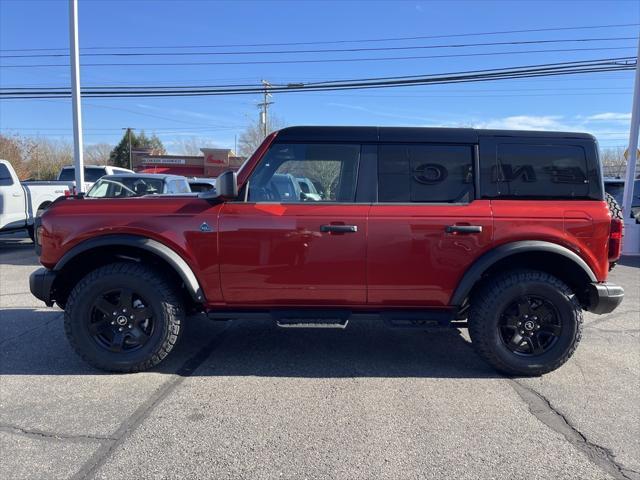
[(505, 232)]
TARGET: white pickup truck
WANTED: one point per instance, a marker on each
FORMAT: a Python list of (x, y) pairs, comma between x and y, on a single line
[(21, 202)]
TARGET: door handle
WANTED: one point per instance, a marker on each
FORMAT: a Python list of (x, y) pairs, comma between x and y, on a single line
[(466, 229), (338, 228), (16, 194)]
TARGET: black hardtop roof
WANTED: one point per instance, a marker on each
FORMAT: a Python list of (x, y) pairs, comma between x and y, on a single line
[(410, 134)]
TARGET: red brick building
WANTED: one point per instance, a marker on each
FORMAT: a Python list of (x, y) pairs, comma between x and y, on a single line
[(212, 163)]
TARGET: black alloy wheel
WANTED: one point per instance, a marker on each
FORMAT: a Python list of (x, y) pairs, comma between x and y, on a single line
[(530, 325), (121, 320)]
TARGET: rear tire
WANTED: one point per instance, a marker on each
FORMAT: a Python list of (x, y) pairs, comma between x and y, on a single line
[(123, 317), (525, 322)]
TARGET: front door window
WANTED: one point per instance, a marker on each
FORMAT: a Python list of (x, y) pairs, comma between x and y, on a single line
[(306, 173)]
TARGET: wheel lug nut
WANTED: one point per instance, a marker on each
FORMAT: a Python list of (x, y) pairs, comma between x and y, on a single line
[(521, 332), (115, 313), (120, 329), (130, 326), (519, 323), (131, 317), (113, 323)]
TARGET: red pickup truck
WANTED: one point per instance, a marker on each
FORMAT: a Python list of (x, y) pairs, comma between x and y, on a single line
[(507, 233)]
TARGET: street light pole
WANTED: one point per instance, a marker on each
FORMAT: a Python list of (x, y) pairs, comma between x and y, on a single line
[(78, 160), (631, 244)]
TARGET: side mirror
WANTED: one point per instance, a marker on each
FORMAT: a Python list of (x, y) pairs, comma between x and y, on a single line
[(227, 185)]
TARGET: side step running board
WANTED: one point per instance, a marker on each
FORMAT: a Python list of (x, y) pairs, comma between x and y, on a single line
[(311, 323), (335, 318)]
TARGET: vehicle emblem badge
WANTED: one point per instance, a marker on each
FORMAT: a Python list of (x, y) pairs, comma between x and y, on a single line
[(205, 227)]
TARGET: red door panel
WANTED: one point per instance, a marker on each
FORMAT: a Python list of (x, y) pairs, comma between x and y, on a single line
[(413, 261), (276, 254)]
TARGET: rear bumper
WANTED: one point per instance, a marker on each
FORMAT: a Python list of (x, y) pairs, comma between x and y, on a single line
[(604, 297), (40, 283)]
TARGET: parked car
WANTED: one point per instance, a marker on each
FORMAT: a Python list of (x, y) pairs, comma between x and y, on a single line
[(615, 187), (504, 232), (137, 185), (308, 188), (91, 174), (21, 202), (200, 184)]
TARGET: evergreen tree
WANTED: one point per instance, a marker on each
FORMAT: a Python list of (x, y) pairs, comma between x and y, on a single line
[(119, 156)]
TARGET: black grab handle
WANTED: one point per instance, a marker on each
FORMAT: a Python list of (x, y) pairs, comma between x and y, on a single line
[(463, 229), (338, 228)]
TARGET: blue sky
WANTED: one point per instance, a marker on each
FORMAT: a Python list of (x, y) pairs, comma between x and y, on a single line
[(598, 103)]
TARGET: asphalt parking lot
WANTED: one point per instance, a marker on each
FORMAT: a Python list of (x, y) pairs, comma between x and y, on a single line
[(247, 400)]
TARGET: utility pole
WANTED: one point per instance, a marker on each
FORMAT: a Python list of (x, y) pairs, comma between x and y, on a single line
[(631, 244), (78, 160), (128, 129), (264, 106)]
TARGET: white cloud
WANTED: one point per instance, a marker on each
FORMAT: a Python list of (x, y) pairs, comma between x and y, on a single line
[(609, 117), (527, 122)]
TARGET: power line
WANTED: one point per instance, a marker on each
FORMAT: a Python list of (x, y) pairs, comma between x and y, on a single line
[(568, 68), (327, 50), (331, 60), (335, 42)]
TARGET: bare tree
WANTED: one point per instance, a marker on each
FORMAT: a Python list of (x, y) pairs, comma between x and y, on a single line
[(253, 135), (97, 154), (191, 145), (613, 161), (35, 157)]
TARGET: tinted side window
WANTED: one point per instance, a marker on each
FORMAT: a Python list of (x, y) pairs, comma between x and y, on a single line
[(93, 174), (547, 171), (67, 175), (5, 176), (425, 173), (329, 172)]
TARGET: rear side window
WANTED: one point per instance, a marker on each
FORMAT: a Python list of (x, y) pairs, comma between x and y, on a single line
[(5, 176), (425, 173), (91, 174), (540, 171)]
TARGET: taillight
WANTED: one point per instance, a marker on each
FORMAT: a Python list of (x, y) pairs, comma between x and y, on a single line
[(615, 239)]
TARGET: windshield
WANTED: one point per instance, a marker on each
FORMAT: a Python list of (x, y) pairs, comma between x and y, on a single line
[(91, 174), (125, 187)]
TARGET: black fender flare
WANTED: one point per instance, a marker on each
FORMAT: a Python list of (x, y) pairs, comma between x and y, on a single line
[(160, 249), (481, 265)]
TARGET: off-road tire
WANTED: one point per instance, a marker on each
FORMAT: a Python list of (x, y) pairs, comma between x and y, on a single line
[(614, 207), (489, 303), (616, 212), (164, 300)]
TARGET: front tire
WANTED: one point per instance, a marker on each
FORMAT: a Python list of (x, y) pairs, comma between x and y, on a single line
[(525, 322), (123, 317)]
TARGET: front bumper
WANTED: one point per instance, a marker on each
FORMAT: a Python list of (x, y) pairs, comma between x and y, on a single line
[(40, 284), (604, 297)]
